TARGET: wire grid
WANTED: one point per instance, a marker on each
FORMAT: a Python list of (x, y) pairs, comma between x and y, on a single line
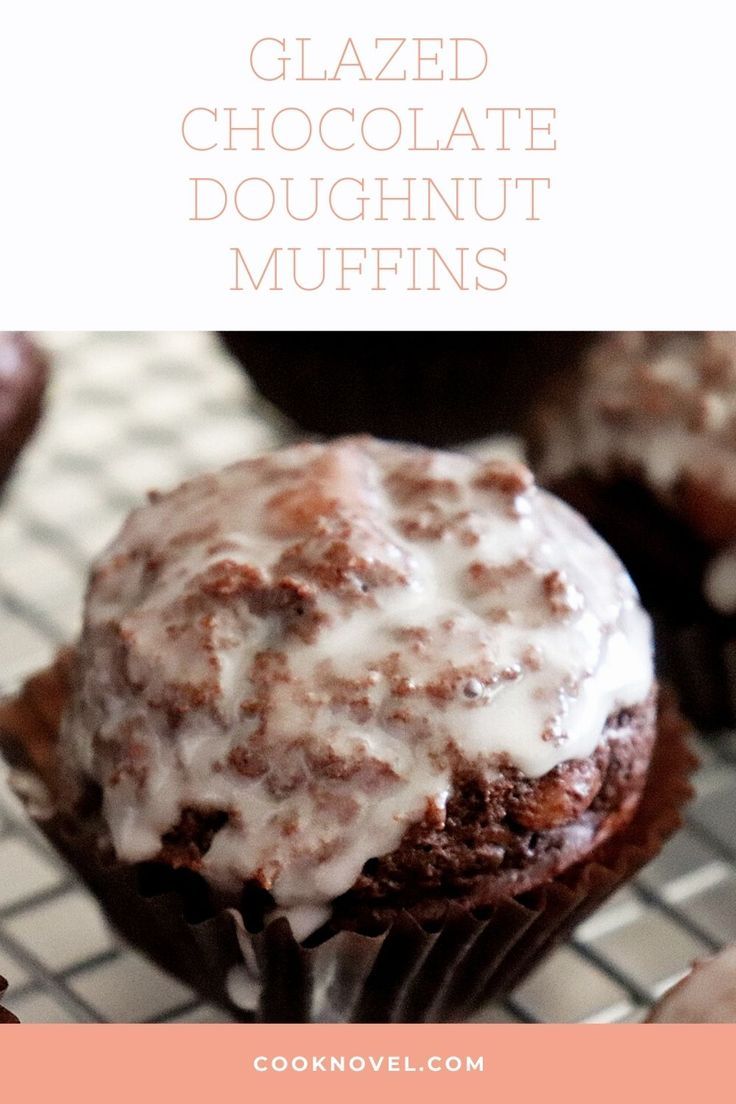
[(129, 412)]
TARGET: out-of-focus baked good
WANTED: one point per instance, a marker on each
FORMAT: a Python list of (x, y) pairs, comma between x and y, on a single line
[(643, 442), (23, 373), (435, 388)]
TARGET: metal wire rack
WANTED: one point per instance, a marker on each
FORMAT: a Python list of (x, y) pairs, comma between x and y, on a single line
[(127, 412)]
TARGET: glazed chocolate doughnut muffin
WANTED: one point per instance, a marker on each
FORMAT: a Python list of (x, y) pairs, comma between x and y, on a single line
[(23, 372), (342, 685), (437, 388), (361, 674), (706, 995), (644, 444), (5, 1016)]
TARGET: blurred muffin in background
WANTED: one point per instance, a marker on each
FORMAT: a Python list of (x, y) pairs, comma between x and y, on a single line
[(642, 440), (23, 373), (436, 388)]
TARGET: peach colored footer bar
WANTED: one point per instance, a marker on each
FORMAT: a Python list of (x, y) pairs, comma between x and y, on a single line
[(117, 1064)]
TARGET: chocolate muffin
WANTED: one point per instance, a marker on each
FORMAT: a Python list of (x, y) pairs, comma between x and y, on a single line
[(706, 995), (23, 372), (5, 1016), (343, 687), (437, 388), (644, 444)]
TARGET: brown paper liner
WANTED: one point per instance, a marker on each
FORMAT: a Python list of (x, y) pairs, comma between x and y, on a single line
[(407, 974), (5, 1016)]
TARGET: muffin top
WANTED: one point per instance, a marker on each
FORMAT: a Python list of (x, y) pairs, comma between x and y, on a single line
[(302, 650), (661, 406), (666, 402)]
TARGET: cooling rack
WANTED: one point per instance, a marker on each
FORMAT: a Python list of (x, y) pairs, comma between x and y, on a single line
[(128, 412)]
